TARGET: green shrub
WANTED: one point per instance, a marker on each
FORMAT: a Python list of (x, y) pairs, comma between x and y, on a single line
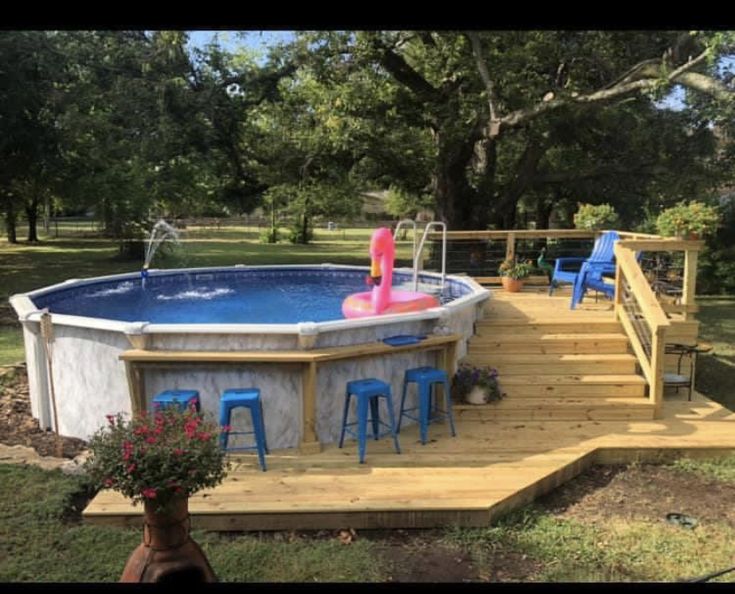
[(695, 219), (595, 216), (269, 235), (296, 234)]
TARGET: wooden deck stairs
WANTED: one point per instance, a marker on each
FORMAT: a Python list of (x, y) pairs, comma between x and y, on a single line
[(555, 363)]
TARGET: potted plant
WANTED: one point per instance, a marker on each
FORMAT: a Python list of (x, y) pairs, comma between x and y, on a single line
[(595, 216), (512, 273), (695, 220), (160, 460), (476, 385)]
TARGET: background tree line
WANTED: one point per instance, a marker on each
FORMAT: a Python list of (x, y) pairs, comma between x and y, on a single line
[(490, 128)]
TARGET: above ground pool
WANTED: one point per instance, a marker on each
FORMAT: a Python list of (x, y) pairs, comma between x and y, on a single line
[(241, 309), (267, 295)]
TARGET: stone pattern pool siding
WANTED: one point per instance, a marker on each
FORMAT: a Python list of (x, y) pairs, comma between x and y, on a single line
[(90, 381)]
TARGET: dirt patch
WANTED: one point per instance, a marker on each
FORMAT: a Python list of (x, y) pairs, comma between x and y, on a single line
[(418, 556), (17, 425), (428, 563), (642, 492)]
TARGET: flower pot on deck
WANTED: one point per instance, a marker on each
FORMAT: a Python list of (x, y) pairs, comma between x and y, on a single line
[(512, 285), (167, 553), (477, 395)]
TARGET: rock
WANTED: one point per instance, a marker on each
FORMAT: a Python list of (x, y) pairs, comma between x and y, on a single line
[(75, 466)]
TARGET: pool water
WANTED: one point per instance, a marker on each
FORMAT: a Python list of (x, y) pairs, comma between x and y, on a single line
[(244, 296)]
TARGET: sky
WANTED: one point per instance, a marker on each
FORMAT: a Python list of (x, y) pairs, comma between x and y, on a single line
[(230, 40)]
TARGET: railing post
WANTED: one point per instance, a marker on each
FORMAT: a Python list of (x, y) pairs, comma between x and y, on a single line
[(510, 246), (656, 393), (688, 293), (618, 291)]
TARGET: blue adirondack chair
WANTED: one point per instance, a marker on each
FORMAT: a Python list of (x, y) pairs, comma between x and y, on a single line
[(579, 271), (591, 277)]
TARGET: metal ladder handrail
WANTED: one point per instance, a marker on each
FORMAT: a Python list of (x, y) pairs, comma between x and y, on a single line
[(398, 228), (417, 256)]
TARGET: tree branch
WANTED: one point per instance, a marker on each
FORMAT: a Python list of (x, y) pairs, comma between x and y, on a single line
[(487, 81), (649, 78), (405, 74)]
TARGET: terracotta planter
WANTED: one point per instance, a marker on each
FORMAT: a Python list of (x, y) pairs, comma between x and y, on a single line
[(512, 285), (167, 552)]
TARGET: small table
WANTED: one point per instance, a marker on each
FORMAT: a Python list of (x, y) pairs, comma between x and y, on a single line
[(678, 380)]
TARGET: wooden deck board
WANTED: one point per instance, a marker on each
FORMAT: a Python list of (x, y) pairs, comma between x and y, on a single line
[(489, 467), (494, 465)]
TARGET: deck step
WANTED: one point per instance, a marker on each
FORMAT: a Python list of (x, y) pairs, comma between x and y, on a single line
[(555, 364), (535, 326), (591, 342), (544, 386), (558, 409)]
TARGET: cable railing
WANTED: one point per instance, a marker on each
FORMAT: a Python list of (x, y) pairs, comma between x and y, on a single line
[(654, 285), (643, 319)]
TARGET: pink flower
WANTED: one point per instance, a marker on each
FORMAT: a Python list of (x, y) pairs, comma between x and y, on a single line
[(204, 436), (150, 439), (130, 468), (127, 450), (111, 420), (179, 451), (226, 428), (149, 493), (109, 482)]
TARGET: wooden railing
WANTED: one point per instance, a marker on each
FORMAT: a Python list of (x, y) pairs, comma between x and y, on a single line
[(643, 319), (687, 303), (509, 244), (645, 311)]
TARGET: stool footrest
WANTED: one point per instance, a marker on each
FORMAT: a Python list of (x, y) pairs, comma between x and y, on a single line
[(353, 433)]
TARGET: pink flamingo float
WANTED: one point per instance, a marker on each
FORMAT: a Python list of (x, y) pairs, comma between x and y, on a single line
[(383, 299)]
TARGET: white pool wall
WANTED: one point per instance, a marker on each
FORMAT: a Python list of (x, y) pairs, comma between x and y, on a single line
[(90, 382)]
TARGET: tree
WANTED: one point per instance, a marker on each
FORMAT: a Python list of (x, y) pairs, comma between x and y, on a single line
[(502, 108), (29, 143), (403, 204)]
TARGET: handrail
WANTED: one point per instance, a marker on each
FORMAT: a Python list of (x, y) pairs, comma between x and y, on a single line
[(643, 319), (417, 257), (645, 296), (398, 228), (691, 249)]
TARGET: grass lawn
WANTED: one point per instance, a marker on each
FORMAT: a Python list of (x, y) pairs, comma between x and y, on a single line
[(42, 540), (716, 370)]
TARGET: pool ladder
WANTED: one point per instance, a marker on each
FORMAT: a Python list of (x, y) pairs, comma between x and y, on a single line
[(418, 251)]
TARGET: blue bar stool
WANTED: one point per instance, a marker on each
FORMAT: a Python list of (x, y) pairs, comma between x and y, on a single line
[(181, 398), (250, 399), (425, 378), (368, 392)]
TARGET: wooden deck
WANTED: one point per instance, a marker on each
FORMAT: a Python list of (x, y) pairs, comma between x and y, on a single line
[(504, 456)]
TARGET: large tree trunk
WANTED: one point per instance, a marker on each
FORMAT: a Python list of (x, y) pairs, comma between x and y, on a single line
[(505, 208), (11, 218), (543, 213), (32, 215), (456, 200)]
